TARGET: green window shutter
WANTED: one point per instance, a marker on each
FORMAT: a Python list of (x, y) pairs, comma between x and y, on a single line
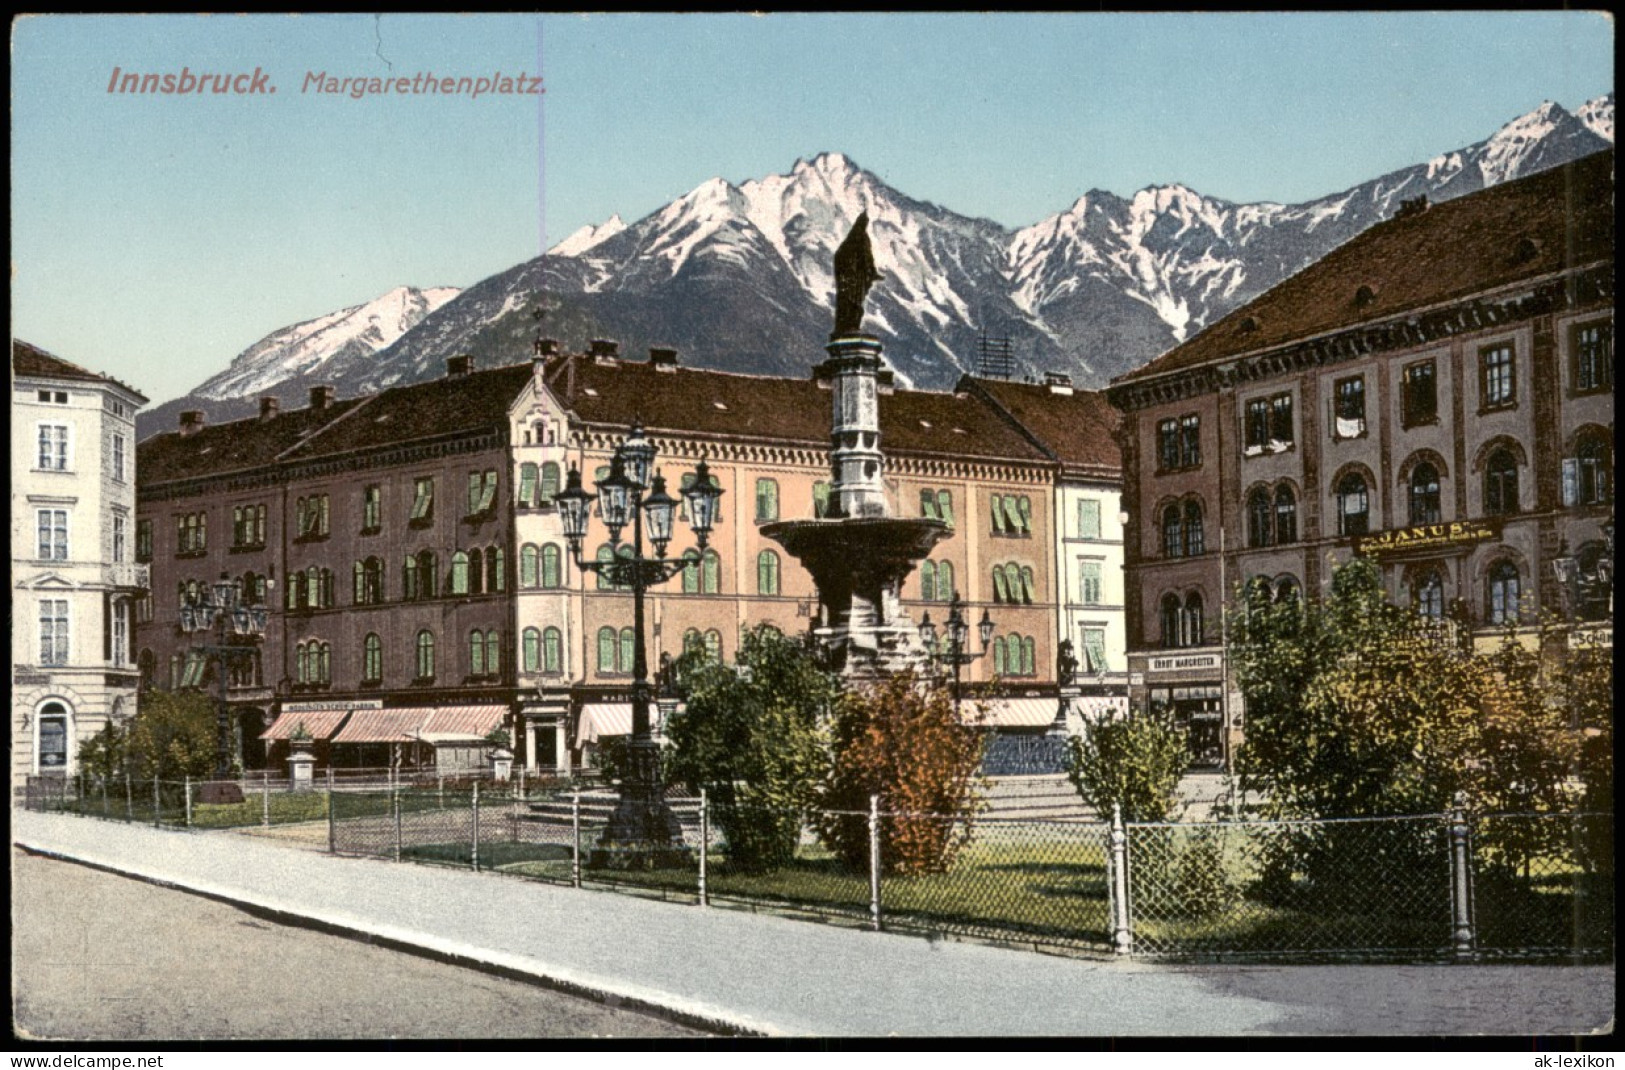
[(945, 507), (527, 483)]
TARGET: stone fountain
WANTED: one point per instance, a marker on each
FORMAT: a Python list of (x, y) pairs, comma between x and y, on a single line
[(859, 554)]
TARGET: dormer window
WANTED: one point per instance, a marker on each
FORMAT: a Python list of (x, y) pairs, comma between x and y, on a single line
[(1364, 296)]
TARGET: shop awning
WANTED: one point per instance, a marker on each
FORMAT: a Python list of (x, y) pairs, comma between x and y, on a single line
[(320, 724), (600, 719), (1014, 712), (465, 723), (1102, 707), (383, 726)]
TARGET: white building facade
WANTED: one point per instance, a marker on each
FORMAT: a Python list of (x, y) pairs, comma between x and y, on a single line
[(76, 587)]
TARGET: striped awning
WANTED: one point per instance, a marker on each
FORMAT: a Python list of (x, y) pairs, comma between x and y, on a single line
[(1015, 712), (472, 723), (600, 719), (1101, 707), (383, 726), (320, 724)]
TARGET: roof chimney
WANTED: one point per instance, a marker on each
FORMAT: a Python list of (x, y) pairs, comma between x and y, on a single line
[(1058, 382), (191, 422), (603, 349), (269, 407), (546, 347), (459, 366), (321, 397), (664, 359)]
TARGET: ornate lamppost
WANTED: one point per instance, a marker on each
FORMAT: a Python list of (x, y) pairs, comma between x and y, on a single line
[(219, 608), (957, 651), (643, 830)]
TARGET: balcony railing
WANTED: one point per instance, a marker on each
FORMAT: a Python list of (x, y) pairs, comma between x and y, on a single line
[(128, 576)]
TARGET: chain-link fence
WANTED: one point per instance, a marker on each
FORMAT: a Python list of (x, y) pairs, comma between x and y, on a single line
[(1431, 886)]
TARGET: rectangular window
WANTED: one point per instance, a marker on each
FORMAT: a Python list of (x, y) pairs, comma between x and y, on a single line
[(1190, 441), (118, 538), (53, 631), (820, 499), (143, 540), (423, 500), (1281, 421), (53, 534), (1593, 357), (1419, 395), (527, 484), (372, 512), (1495, 371), (1094, 650), (121, 632), (945, 507), (1088, 519), (928, 504), (1349, 408), (1090, 573), (118, 458), (1257, 430), (53, 447), (767, 499), (1168, 444)]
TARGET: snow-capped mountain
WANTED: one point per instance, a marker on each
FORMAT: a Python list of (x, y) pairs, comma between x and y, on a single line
[(739, 276)]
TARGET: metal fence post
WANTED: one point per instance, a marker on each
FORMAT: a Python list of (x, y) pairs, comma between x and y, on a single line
[(476, 852), (104, 796), (188, 800), (705, 844), (129, 799), (1461, 908), (332, 819), (157, 819), (1122, 933), (874, 862), (330, 783), (395, 805), (265, 799), (440, 790), (575, 840), (521, 782)]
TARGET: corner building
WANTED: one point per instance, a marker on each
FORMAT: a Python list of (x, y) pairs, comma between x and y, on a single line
[(1436, 394)]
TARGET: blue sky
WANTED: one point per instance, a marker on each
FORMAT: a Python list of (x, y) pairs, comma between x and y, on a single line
[(154, 237)]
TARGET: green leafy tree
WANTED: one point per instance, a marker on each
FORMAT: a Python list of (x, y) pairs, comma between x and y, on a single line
[(1133, 763), (751, 735), (171, 736), (905, 743)]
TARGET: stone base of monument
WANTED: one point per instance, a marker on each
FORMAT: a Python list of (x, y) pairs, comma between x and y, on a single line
[(219, 794), (633, 857)]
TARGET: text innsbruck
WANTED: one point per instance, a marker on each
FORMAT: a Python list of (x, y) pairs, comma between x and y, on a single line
[(190, 83)]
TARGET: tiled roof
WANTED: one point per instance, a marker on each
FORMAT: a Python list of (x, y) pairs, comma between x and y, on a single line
[(1075, 427), (699, 401), (32, 361), (1549, 222), (229, 447)]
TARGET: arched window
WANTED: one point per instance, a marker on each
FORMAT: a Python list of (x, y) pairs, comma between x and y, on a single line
[(1595, 462), (425, 655), (1427, 594), (1029, 585), (1286, 589), (999, 660), (493, 652), (53, 736), (358, 586), (552, 567), (1029, 655), (429, 573), (372, 581), (496, 570), (767, 573), (711, 573), (928, 581), (301, 660), (945, 581), (1286, 516), (476, 571), (1170, 620), (550, 480), (313, 587), (1194, 543), (1503, 594), (627, 651), (372, 658), (528, 562), (411, 588), (1425, 494), (624, 552), (552, 650), (476, 653), (691, 572), (147, 662), (606, 554), (1173, 545), (1260, 519), (1001, 586), (459, 573), (693, 642), (1353, 505), (713, 645), (606, 650), (1501, 484), (531, 652), (1192, 632)]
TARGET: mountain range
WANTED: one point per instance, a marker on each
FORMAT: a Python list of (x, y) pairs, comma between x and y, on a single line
[(738, 277)]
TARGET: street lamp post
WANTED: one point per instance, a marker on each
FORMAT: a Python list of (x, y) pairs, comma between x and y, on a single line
[(957, 634), (643, 830), (219, 608)]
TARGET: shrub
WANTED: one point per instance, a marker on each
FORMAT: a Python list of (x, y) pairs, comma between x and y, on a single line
[(1134, 763)]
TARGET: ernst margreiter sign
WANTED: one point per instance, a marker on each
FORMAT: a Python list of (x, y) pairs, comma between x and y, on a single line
[(1428, 537)]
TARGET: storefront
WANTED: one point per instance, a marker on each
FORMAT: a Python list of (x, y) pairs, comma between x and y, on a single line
[(1188, 688)]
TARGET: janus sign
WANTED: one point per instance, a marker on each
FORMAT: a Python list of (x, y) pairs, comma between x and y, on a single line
[(1427, 537)]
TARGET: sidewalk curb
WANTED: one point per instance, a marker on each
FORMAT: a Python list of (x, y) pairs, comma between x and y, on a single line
[(513, 968)]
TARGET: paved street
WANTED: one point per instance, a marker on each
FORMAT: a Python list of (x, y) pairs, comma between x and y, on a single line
[(759, 973), (102, 957)]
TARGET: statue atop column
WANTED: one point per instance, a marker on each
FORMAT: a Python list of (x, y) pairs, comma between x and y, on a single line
[(854, 274)]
